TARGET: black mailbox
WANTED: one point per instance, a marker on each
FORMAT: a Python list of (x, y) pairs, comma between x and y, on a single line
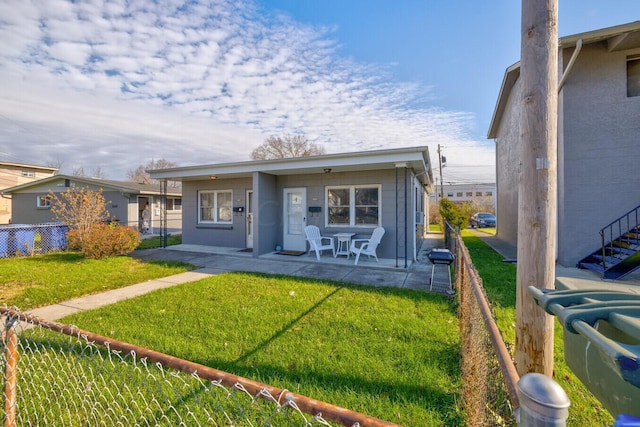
[(315, 209)]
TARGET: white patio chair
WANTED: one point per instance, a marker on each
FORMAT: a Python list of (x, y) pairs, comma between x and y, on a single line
[(315, 241), (367, 246)]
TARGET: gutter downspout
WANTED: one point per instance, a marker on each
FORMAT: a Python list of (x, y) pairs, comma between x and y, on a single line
[(570, 64)]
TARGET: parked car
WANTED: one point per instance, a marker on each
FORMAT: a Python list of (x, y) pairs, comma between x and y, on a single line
[(483, 220)]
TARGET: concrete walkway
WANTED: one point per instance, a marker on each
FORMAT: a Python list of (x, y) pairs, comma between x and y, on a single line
[(211, 261)]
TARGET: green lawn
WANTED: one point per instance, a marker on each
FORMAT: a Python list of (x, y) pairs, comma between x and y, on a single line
[(389, 353), (155, 242), (39, 280), (386, 352), (499, 280)]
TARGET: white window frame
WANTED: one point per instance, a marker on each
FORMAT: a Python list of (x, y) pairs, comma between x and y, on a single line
[(352, 206), (47, 202), (215, 206), (633, 76), (173, 204)]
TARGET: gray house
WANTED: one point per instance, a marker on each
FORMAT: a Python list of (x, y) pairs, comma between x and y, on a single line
[(125, 200), (265, 204), (598, 139)]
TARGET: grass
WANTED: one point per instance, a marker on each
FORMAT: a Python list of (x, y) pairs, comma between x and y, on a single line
[(386, 352), (155, 242), (47, 279), (389, 353), (499, 280)]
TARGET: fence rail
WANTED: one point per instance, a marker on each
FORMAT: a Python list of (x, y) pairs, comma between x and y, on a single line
[(489, 375), (57, 374)]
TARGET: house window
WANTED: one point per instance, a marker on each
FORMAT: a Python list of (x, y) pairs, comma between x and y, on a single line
[(214, 207), (43, 202), (353, 205), (459, 194), (633, 76), (469, 193), (174, 204), (30, 174), (489, 193), (478, 193), (450, 194)]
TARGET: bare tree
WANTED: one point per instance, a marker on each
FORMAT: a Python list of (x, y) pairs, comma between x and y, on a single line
[(286, 146), (57, 163), (97, 172), (79, 208), (78, 171), (140, 176)]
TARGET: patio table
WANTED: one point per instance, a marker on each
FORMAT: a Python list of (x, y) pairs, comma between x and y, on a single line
[(344, 241)]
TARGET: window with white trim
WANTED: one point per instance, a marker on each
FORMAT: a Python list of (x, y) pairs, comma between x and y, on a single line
[(43, 201), (633, 76), (30, 174), (214, 207), (353, 205), (174, 204)]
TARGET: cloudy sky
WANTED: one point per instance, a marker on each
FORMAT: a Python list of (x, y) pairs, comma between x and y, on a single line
[(115, 84)]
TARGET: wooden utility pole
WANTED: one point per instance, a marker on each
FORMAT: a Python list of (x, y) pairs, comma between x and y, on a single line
[(441, 181), (537, 205)]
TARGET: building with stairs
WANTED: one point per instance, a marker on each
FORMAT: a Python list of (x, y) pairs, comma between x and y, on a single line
[(598, 145)]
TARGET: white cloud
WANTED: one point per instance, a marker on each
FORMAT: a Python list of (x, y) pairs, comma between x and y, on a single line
[(115, 85)]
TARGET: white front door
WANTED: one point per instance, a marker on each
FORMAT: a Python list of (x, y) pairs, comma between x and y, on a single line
[(249, 211), (295, 203)]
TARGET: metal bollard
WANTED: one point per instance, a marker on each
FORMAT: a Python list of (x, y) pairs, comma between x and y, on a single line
[(543, 403)]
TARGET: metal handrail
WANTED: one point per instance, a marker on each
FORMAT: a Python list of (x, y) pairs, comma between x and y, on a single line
[(609, 227)]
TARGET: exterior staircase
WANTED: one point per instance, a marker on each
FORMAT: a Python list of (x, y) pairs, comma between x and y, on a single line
[(620, 251)]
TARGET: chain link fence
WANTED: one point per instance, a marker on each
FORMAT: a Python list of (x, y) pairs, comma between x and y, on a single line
[(56, 375), (489, 376), (29, 239)]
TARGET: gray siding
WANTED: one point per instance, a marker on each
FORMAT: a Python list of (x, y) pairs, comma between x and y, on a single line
[(268, 215), (601, 138), (232, 235), (508, 170), (598, 141), (25, 210)]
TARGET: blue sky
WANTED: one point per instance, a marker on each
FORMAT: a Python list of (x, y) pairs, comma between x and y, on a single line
[(115, 85)]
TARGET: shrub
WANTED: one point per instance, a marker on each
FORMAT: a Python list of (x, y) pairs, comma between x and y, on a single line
[(105, 240), (79, 208), (457, 215)]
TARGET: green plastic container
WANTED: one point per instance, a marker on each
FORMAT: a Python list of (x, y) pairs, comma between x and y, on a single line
[(601, 342)]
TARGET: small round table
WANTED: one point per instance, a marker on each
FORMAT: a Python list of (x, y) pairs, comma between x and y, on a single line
[(344, 241)]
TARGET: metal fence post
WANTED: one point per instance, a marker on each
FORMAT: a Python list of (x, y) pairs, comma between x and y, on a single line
[(543, 403), (10, 372)]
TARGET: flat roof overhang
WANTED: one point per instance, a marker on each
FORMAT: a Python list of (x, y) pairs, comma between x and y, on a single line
[(414, 158)]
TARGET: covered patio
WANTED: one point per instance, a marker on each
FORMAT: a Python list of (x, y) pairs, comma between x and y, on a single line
[(218, 260)]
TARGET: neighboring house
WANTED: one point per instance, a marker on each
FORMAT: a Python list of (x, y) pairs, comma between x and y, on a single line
[(481, 194), (264, 204), (12, 174), (598, 138), (125, 200)]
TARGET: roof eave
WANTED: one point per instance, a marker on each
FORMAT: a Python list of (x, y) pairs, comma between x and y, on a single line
[(341, 162), (508, 82)]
